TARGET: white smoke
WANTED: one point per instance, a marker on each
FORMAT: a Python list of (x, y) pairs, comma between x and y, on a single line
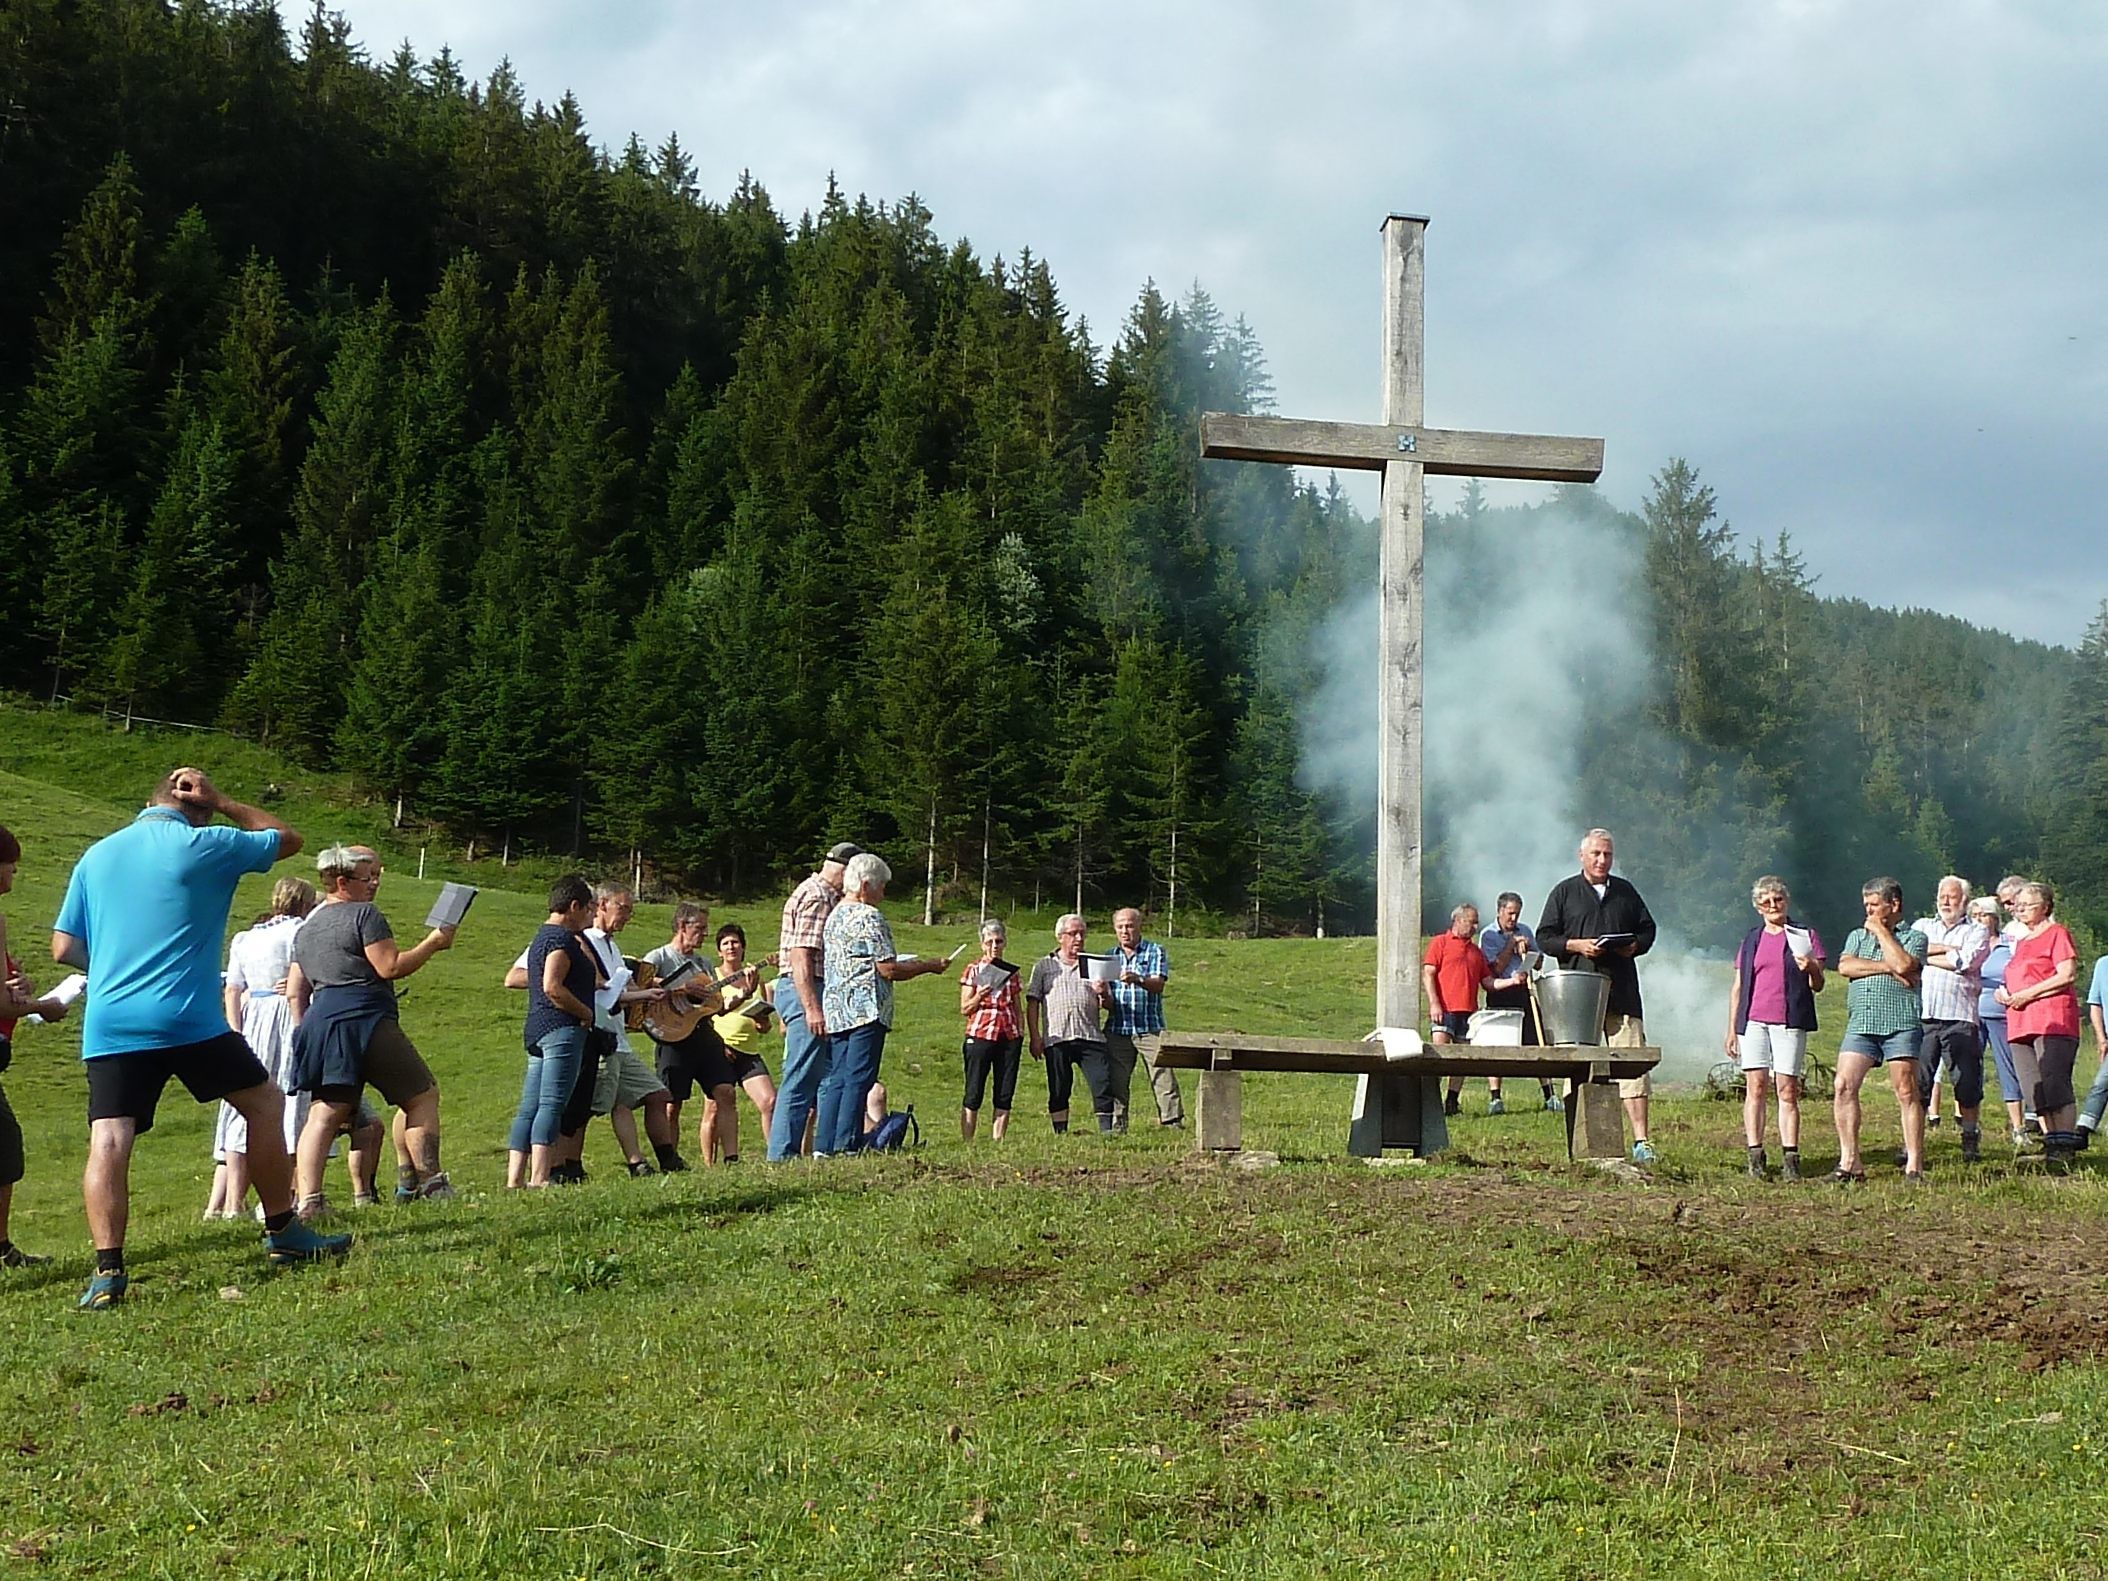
[(1533, 631)]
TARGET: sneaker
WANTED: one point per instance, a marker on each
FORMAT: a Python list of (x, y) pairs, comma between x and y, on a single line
[(437, 1189), (2025, 1144), (405, 1193), (15, 1257), (1932, 1122), (1972, 1147), (1495, 1106), (1554, 1104), (365, 1199), (311, 1210), (674, 1165), (639, 1168), (104, 1291), (297, 1243), (1643, 1152), (1450, 1105)]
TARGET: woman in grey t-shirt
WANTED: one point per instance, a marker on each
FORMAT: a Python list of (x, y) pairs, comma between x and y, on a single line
[(344, 960)]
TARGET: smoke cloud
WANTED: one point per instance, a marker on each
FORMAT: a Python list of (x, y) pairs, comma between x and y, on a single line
[(1536, 633)]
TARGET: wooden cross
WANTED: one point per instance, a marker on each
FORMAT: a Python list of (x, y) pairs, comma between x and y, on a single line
[(1403, 1111)]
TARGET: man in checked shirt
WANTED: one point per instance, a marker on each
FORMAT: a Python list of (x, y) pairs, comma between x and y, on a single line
[(1134, 1026)]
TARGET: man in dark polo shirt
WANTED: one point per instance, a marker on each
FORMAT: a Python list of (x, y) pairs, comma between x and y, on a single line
[(144, 916), (1597, 921)]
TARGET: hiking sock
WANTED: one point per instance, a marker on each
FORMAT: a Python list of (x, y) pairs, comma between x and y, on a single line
[(669, 1156), (273, 1222), (109, 1260)]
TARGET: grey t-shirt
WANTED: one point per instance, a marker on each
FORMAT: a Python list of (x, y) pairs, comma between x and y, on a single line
[(331, 945), (1073, 1010)]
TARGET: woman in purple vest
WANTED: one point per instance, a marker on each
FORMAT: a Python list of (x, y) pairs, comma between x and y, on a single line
[(1770, 1012)]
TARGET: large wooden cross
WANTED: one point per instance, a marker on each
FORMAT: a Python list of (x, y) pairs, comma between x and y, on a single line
[(1402, 1111)]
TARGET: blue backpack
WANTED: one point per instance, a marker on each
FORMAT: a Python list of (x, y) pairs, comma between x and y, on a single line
[(894, 1132)]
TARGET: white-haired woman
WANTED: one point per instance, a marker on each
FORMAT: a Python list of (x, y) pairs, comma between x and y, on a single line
[(2042, 1017), (995, 1033), (345, 963), (861, 969), (253, 995), (1770, 1012), (1064, 1021)]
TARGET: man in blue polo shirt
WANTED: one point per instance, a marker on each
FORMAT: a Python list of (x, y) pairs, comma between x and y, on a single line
[(144, 916)]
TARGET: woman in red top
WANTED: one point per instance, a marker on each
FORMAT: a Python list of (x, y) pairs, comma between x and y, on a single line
[(995, 1030), (2042, 1016)]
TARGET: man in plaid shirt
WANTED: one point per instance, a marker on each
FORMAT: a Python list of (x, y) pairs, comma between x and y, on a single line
[(802, 945), (1884, 1024), (1134, 1027)]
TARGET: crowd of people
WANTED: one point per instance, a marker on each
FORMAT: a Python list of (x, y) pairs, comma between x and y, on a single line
[(304, 1018), (1923, 1001)]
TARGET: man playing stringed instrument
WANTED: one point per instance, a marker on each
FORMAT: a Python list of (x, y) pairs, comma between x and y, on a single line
[(690, 1052)]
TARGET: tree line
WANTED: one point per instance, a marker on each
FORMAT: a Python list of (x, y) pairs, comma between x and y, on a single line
[(382, 415)]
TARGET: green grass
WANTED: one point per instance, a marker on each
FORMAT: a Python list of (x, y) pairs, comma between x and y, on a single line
[(1054, 1357)]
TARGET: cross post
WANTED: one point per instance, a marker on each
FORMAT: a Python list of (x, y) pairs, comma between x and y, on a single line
[(1400, 1110)]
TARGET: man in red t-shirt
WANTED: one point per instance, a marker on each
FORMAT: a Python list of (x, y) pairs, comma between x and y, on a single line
[(1451, 975)]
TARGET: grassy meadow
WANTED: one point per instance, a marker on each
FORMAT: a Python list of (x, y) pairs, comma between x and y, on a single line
[(1049, 1357)]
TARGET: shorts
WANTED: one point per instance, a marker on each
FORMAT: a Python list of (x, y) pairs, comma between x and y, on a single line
[(698, 1060), (1455, 1024), (11, 1160), (128, 1086), (1781, 1050), (391, 1065), (1621, 1031), (1884, 1047), (745, 1067), (624, 1082)]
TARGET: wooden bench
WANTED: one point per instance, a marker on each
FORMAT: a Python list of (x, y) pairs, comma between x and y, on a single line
[(1398, 1102)]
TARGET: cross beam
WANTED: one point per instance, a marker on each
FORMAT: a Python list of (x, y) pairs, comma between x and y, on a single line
[(1405, 452)]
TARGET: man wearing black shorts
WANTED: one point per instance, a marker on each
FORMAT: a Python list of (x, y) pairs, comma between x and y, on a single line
[(700, 1059), (144, 916)]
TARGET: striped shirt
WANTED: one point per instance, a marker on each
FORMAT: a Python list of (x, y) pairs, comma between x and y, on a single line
[(1951, 992)]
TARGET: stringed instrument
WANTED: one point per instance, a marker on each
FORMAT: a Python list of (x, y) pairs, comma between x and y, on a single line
[(681, 1012)]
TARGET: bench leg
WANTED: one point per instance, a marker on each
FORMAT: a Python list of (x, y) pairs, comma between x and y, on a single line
[(1394, 1109), (1218, 1112), (1595, 1121)]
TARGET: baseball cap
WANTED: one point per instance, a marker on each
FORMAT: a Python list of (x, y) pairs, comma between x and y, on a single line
[(843, 851)]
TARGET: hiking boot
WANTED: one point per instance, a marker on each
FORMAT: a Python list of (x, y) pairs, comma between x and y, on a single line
[(15, 1257), (405, 1193), (104, 1291), (1790, 1165), (639, 1168), (1643, 1152), (1932, 1122), (1972, 1146), (437, 1189), (312, 1210), (1757, 1169), (1495, 1106), (1450, 1104), (673, 1164), (297, 1243)]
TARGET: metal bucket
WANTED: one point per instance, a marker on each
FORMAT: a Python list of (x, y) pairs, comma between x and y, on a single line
[(1570, 1005)]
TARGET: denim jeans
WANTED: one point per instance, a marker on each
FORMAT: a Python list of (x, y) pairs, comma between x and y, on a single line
[(552, 1071), (856, 1055), (1885, 1047), (806, 1062), (2002, 1057), (2096, 1099)]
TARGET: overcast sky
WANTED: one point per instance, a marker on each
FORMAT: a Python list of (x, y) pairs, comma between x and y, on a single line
[(1848, 259)]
